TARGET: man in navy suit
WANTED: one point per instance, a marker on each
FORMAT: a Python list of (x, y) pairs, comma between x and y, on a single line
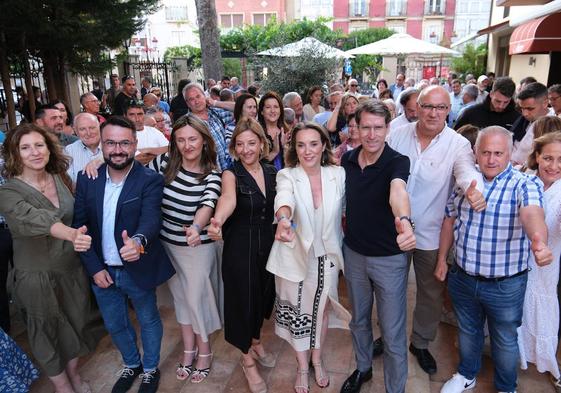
[(122, 209)]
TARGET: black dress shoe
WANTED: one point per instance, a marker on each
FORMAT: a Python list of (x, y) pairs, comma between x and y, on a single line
[(425, 359), (378, 347), (127, 376), (355, 381)]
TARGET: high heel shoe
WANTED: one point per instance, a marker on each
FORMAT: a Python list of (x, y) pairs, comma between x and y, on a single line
[(267, 360), (300, 385), (256, 387), (201, 373), (184, 371), (319, 376)]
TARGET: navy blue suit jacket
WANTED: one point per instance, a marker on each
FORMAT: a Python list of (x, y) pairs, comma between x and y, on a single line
[(139, 211)]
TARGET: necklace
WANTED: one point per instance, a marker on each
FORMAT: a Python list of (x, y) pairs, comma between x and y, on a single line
[(37, 186)]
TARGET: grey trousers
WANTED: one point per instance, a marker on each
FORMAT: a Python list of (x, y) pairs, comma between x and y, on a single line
[(428, 306), (386, 278)]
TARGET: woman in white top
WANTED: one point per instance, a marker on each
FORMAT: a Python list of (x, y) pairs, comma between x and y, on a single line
[(537, 337), (313, 107), (306, 256)]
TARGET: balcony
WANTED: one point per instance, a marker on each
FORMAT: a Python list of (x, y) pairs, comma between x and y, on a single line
[(435, 7), (396, 9), (358, 9)]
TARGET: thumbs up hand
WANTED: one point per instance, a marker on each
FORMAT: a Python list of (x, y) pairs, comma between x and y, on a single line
[(475, 197), (405, 237), (130, 251), (214, 230), (81, 241), (542, 253)]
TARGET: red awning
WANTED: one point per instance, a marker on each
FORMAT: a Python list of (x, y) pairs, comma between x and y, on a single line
[(538, 36)]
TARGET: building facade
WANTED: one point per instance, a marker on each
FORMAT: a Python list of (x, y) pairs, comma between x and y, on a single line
[(237, 13)]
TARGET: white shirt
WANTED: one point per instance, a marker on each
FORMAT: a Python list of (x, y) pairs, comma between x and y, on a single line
[(80, 156), (399, 121), (522, 149), (150, 137), (432, 175)]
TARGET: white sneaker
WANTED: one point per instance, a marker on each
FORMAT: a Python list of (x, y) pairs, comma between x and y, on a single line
[(457, 384)]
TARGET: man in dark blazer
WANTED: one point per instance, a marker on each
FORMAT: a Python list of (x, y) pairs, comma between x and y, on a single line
[(122, 209)]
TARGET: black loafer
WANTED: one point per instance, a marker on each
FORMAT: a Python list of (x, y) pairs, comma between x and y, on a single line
[(378, 347), (425, 359), (355, 381)]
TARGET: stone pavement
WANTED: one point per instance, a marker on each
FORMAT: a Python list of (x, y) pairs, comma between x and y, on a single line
[(226, 375)]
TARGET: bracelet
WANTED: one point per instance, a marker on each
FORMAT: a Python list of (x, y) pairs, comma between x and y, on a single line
[(197, 228), (283, 217)]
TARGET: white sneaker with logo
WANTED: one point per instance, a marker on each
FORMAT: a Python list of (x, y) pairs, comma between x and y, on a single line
[(458, 384)]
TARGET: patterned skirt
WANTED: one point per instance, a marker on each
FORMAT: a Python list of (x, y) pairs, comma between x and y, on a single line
[(16, 370), (300, 306)]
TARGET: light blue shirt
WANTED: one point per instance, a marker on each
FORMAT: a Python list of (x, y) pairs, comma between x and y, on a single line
[(109, 247), (457, 103), (81, 156), (322, 118)]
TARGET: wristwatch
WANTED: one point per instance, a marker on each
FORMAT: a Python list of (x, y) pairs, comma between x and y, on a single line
[(141, 240), (410, 221)]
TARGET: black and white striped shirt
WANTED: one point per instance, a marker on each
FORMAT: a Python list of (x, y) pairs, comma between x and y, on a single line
[(182, 198)]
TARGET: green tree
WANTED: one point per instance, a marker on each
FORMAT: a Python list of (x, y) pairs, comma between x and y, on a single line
[(191, 53), (472, 60), (371, 65), (68, 35)]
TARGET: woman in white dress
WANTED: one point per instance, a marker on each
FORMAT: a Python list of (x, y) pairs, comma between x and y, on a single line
[(537, 336), (306, 256)]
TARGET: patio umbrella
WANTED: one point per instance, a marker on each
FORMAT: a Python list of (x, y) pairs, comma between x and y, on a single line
[(402, 44), (305, 47)]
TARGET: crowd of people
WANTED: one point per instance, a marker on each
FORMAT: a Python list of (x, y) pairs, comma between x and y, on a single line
[(249, 206)]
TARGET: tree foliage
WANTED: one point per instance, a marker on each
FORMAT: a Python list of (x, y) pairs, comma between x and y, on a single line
[(472, 60), (191, 53), (371, 65)]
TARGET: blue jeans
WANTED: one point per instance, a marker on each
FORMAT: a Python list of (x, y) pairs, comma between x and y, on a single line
[(112, 302), (500, 302)]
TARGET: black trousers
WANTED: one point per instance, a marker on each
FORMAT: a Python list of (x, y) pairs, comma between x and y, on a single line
[(6, 253)]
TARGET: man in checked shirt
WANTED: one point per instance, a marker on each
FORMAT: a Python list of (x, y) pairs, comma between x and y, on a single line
[(488, 279)]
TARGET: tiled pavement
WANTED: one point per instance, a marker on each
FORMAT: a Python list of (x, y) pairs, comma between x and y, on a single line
[(227, 376)]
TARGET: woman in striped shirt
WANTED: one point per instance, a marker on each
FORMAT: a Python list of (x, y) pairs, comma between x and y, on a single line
[(192, 188)]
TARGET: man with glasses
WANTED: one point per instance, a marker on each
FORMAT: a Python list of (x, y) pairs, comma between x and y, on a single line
[(554, 97), (438, 155), (122, 210), (127, 94), (375, 258), (90, 104)]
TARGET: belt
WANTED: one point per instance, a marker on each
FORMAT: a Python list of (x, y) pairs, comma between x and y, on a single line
[(492, 279), (115, 266)]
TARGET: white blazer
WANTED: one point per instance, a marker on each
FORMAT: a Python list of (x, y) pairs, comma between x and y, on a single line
[(289, 260)]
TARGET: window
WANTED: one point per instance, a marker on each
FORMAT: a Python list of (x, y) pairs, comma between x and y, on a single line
[(178, 38), (434, 7), (263, 19), (176, 13), (358, 8), (231, 21), (432, 32), (397, 26), (396, 8)]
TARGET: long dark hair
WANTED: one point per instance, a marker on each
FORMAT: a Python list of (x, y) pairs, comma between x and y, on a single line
[(13, 166), (175, 159), (240, 101), (261, 118)]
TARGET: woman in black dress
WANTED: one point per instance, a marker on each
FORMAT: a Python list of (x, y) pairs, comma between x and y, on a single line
[(244, 219)]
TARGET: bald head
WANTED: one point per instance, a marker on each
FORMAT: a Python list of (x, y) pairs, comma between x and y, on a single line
[(150, 99), (433, 106)]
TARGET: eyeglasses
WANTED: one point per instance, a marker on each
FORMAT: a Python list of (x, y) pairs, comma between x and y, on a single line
[(354, 85), (125, 145), (429, 107)]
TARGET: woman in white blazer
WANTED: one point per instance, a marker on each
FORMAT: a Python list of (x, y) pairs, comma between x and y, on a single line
[(306, 256)]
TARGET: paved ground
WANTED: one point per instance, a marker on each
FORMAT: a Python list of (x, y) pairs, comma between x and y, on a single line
[(226, 375)]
